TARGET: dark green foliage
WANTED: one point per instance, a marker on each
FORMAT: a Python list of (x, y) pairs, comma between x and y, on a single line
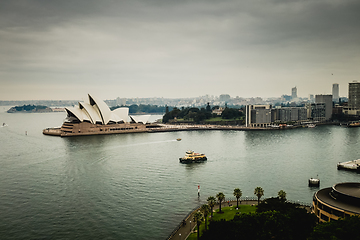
[(208, 108), (231, 113), (347, 228), (188, 114), (29, 107), (144, 108), (276, 204), (288, 221)]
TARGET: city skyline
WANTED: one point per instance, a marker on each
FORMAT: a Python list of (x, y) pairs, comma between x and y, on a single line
[(60, 50)]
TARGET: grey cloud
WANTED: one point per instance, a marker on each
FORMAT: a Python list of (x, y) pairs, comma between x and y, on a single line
[(162, 41)]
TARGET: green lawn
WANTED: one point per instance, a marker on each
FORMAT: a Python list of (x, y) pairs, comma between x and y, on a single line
[(229, 213)]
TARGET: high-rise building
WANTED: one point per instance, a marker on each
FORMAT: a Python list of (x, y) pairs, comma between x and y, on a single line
[(353, 107), (354, 95), (311, 98), (294, 93), (335, 92), (327, 99)]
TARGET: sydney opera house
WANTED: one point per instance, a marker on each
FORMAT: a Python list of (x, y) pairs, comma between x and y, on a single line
[(94, 117)]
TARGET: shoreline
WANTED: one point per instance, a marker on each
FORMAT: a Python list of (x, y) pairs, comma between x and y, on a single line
[(175, 128)]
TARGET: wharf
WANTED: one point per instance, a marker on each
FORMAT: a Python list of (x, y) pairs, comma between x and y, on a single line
[(166, 128)]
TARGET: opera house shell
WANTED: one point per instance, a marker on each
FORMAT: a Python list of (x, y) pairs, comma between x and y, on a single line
[(94, 117)]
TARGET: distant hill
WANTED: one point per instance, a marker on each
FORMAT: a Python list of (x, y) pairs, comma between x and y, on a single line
[(30, 109)]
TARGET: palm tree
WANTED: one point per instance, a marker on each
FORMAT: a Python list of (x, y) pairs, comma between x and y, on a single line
[(259, 192), (282, 195), (205, 210), (211, 201), (198, 217), (237, 194), (220, 196)]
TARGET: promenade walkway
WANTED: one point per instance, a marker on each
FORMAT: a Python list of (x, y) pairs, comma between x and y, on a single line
[(184, 230)]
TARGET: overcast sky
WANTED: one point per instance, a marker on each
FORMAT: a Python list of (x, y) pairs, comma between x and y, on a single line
[(65, 49)]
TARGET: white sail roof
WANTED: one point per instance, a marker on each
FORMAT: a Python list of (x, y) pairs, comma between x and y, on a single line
[(123, 113), (140, 118), (97, 112), (93, 114), (102, 108), (76, 112)]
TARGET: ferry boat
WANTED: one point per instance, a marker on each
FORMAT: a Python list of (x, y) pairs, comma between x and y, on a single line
[(192, 157), (354, 124), (353, 165)]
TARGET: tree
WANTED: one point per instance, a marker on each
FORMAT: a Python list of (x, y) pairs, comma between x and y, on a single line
[(347, 228), (220, 196), (237, 194), (211, 201), (259, 192), (208, 108), (198, 217), (205, 210), (277, 220), (282, 195)]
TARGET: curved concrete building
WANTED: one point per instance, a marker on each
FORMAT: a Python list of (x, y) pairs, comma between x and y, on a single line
[(338, 201), (95, 117)]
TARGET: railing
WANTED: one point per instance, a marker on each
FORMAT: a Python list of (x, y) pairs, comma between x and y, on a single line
[(180, 224)]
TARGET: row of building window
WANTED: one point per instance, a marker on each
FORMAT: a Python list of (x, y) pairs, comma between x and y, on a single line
[(117, 129), (329, 210)]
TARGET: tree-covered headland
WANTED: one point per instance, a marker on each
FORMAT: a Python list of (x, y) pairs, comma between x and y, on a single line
[(143, 108), (29, 108), (203, 115)]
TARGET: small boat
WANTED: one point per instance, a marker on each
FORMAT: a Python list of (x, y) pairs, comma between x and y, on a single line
[(178, 139), (314, 182), (353, 165), (192, 157), (311, 125)]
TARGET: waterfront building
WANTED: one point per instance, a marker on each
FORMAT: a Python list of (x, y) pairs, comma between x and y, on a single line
[(316, 112), (94, 117), (335, 92), (327, 100), (265, 115), (353, 107), (258, 115), (338, 201)]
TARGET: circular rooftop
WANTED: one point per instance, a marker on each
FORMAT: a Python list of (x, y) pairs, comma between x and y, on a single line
[(349, 189)]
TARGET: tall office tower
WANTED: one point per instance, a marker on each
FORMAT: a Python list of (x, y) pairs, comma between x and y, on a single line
[(335, 92), (354, 95), (311, 97), (327, 99), (293, 93)]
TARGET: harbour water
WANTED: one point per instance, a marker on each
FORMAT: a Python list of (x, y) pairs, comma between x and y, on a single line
[(132, 186)]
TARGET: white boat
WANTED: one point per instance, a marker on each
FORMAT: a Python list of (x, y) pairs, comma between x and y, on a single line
[(311, 125), (314, 182), (350, 165)]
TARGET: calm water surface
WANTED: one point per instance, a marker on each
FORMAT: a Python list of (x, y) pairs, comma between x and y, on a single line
[(132, 186)]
